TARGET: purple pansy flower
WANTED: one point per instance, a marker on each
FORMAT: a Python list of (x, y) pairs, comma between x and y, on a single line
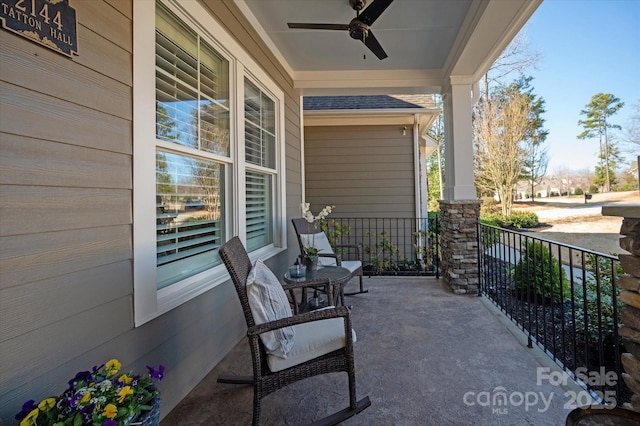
[(156, 374), (27, 407)]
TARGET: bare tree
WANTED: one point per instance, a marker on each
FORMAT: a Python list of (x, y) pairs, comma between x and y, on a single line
[(500, 125), (515, 60), (631, 135), (535, 166)]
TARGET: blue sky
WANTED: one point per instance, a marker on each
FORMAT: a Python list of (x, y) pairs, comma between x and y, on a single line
[(587, 47)]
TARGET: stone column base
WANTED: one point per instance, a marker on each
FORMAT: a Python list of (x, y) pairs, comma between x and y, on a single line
[(459, 244), (629, 285)]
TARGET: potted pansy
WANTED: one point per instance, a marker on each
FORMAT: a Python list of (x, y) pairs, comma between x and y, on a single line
[(101, 397)]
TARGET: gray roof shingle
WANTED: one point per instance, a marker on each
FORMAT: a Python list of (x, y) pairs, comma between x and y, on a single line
[(320, 103)]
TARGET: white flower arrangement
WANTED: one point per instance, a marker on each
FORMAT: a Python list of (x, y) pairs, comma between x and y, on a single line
[(312, 251)]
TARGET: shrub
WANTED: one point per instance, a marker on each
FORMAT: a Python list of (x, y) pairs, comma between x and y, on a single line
[(517, 219), (494, 218), (334, 231), (626, 186), (539, 274), (522, 220), (601, 309), (383, 253), (578, 191), (593, 189)]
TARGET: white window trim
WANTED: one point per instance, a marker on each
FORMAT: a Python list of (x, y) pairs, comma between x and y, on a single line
[(149, 302)]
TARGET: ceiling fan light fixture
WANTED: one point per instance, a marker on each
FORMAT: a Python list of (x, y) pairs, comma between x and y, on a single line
[(357, 5)]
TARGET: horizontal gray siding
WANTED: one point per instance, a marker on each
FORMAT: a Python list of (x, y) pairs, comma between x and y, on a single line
[(65, 185), (364, 171), (66, 289)]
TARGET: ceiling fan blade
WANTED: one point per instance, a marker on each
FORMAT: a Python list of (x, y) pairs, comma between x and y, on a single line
[(372, 43), (340, 27), (373, 11)]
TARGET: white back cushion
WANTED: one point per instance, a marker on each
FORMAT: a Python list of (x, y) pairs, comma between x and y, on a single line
[(321, 242), (268, 302)]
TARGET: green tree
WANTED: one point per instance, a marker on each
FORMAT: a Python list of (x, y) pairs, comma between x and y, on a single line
[(596, 124), (534, 167), (435, 164), (604, 175)]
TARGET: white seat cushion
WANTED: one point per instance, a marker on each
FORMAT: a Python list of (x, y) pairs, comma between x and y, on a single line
[(313, 339), (268, 302), (351, 265)]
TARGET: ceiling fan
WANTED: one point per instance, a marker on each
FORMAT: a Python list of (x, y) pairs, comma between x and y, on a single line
[(359, 26)]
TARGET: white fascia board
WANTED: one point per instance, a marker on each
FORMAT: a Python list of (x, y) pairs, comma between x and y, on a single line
[(242, 5), (489, 27)]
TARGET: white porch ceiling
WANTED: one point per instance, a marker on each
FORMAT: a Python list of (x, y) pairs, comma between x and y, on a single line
[(428, 41)]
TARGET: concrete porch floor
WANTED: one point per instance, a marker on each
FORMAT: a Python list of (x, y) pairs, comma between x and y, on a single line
[(424, 356)]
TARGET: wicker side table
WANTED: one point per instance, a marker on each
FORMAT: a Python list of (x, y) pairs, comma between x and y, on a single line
[(336, 276)]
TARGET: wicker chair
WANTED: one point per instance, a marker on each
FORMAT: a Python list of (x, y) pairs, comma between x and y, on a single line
[(264, 380), (327, 256)]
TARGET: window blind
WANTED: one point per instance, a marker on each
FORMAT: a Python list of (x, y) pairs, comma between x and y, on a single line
[(259, 151), (189, 221)]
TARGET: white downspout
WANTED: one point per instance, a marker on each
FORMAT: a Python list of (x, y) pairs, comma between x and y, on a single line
[(416, 167), (302, 169)]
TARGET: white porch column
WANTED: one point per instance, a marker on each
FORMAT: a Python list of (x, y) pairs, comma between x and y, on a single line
[(457, 102), (460, 208)]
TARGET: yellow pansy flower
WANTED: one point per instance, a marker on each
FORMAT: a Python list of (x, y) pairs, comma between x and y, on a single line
[(30, 420), (86, 397), (112, 367), (47, 404), (125, 379), (124, 392), (110, 411)]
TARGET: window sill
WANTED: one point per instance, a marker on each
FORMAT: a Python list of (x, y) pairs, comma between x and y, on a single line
[(179, 293)]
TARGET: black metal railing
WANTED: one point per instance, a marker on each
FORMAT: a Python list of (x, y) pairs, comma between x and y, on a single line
[(390, 246), (564, 298)]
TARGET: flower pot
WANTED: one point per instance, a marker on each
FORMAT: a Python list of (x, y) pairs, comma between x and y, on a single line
[(311, 262), (151, 417)]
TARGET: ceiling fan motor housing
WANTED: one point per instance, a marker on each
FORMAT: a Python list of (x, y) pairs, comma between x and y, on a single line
[(358, 29), (357, 4)]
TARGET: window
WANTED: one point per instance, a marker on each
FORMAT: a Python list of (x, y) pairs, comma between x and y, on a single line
[(205, 167), (192, 111), (259, 129)]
